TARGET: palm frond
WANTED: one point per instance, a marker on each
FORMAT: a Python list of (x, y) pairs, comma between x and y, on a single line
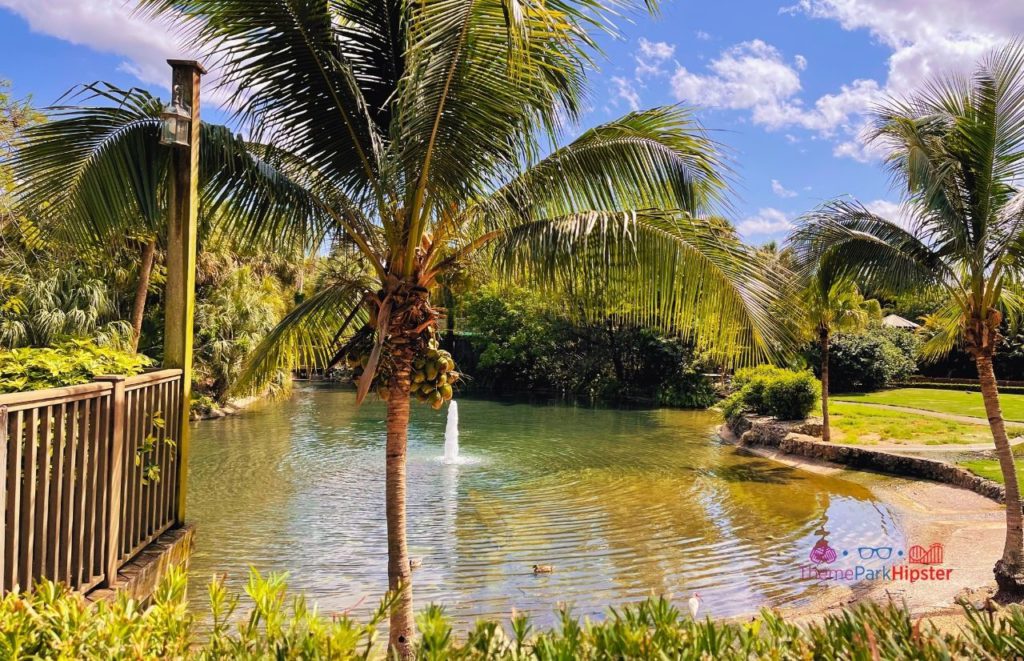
[(653, 159), (94, 167), (845, 238), (307, 337), (485, 79), (657, 268), (292, 79)]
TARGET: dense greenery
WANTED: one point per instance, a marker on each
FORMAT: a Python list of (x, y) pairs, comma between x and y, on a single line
[(66, 364), (874, 359), (768, 390), (53, 623), (522, 342)]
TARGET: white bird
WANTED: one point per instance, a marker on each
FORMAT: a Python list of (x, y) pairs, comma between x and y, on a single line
[(694, 603)]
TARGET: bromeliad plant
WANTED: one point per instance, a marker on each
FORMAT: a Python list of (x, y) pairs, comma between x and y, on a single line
[(419, 133), (956, 149)]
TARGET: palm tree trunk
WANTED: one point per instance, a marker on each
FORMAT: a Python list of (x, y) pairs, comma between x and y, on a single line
[(142, 290), (1009, 570), (399, 572), (826, 432)]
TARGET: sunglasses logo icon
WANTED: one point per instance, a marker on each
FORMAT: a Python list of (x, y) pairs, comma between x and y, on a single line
[(869, 552)]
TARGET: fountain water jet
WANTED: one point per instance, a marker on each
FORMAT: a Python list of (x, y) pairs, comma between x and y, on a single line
[(451, 435)]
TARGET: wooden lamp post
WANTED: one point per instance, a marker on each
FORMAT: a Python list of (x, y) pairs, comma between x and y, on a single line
[(181, 135)]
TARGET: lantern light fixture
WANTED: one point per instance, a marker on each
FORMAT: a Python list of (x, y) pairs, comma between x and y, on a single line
[(177, 122)]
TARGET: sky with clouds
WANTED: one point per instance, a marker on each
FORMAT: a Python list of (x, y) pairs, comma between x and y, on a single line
[(784, 84)]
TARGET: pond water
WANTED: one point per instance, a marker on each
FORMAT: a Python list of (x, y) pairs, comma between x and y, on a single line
[(622, 503)]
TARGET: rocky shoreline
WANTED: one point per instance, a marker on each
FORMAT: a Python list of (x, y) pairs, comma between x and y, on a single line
[(801, 438)]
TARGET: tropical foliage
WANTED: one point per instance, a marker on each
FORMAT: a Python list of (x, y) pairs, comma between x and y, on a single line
[(956, 151), (268, 623), (876, 358), (67, 364), (833, 304), (768, 390), (517, 341), (418, 134)]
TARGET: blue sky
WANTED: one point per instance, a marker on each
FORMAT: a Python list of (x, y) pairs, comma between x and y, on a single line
[(784, 84)]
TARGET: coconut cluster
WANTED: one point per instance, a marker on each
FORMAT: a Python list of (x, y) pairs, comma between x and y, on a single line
[(433, 376)]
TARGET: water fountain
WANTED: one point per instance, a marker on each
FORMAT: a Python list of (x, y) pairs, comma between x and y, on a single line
[(451, 435)]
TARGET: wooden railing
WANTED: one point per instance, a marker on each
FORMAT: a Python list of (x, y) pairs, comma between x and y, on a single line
[(90, 477)]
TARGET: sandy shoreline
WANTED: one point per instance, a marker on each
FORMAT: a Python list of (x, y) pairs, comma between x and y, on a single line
[(970, 526)]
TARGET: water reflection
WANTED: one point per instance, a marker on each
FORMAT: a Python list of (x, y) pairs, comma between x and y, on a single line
[(622, 503)]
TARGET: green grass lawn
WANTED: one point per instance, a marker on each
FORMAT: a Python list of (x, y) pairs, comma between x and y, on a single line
[(944, 401), (862, 425), (990, 467)]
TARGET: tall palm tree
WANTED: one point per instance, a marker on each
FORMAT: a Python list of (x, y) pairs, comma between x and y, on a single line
[(422, 132), (833, 305), (956, 149)]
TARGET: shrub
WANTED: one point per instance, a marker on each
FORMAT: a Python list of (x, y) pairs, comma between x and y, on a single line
[(769, 390), (791, 395), (67, 364), (869, 361), (52, 622)]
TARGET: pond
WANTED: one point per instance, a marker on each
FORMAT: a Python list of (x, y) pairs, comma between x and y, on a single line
[(622, 504)]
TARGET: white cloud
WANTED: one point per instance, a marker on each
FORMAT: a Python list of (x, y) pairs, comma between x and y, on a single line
[(626, 92), (112, 26), (754, 76), (749, 76), (781, 191), (895, 211), (107, 26), (650, 57), (766, 221), (702, 35), (800, 61), (927, 38)]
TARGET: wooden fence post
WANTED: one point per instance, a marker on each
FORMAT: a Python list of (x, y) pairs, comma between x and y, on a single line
[(116, 477), (182, 223)]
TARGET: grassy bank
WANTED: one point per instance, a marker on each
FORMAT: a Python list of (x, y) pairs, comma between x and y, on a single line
[(865, 425), (956, 402)]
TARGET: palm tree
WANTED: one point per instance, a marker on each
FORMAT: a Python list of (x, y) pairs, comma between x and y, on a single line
[(956, 148), (421, 133), (96, 174), (833, 305)]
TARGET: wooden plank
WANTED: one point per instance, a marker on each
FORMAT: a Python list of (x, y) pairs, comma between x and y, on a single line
[(42, 542), (157, 376), (20, 401), (53, 530), (131, 472), (4, 435), (115, 480), (28, 499), (68, 499), (93, 532), (14, 463), (78, 503)]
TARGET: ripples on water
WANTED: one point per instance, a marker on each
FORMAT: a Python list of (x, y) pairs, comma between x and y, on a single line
[(622, 503)]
